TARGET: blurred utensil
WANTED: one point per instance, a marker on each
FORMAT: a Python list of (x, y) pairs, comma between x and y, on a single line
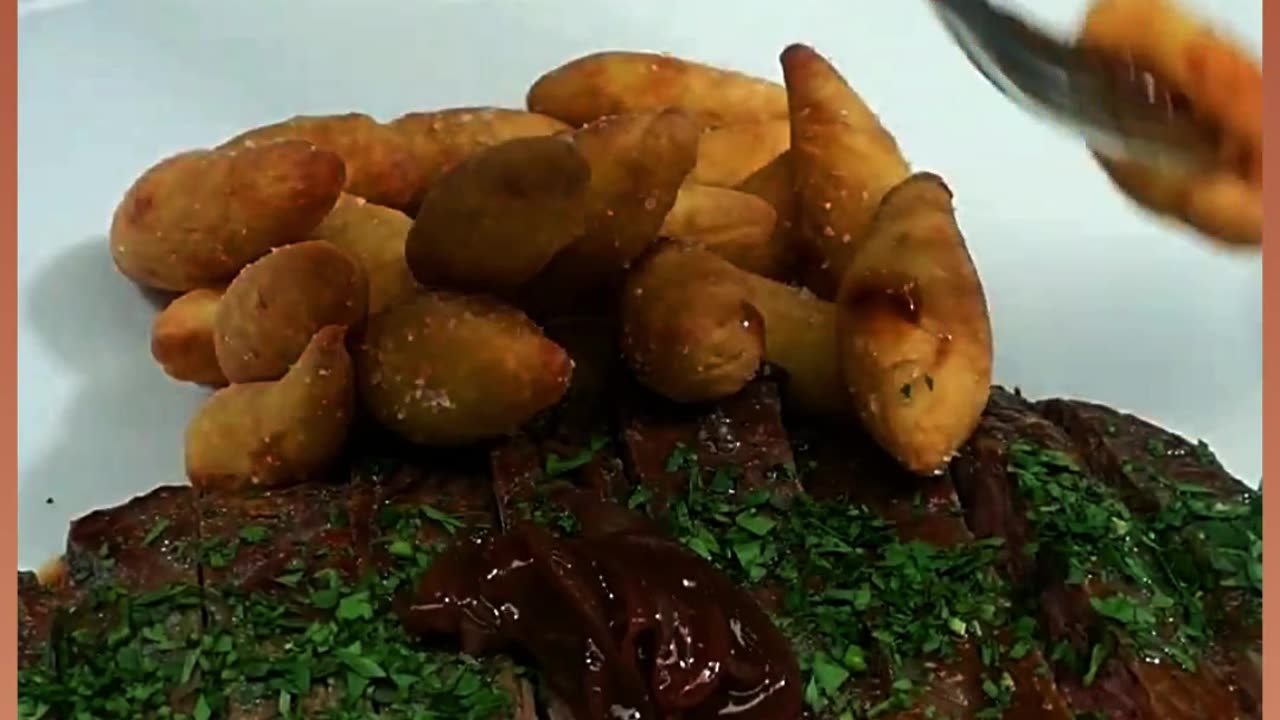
[(1120, 109)]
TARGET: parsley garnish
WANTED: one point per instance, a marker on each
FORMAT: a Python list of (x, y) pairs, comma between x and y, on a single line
[(310, 645), (851, 589), (254, 534), (1162, 566), (156, 531), (557, 466)]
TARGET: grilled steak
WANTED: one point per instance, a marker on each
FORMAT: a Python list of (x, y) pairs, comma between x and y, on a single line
[(141, 546), (1181, 489), (287, 599), (744, 432), (998, 671), (1119, 628), (128, 610), (689, 561), (37, 603)]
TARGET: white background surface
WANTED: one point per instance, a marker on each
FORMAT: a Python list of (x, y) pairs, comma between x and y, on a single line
[(1089, 297)]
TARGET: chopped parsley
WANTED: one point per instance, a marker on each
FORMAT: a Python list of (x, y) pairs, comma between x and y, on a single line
[(1162, 570), (854, 598), (869, 614), (557, 466), (307, 644), (254, 534), (1204, 455), (542, 509), (156, 531)]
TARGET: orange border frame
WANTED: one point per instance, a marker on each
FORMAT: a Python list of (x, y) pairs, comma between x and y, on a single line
[(9, 312), (9, 307), (1270, 373)]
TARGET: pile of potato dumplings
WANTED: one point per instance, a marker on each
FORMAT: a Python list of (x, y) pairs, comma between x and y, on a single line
[(718, 221)]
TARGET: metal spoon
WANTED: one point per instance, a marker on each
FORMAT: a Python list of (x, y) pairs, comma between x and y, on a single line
[(1120, 109)]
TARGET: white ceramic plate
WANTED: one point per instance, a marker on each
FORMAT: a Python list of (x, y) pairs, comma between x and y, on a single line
[(1089, 296)]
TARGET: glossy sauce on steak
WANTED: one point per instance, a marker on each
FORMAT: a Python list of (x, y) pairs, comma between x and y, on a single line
[(621, 625)]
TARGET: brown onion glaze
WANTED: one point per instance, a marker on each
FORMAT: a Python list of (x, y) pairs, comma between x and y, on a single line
[(623, 624)]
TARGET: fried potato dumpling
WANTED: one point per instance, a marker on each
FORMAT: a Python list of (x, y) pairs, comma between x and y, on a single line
[(914, 335), (195, 219), (375, 237), (440, 139), (1198, 71), (273, 308), (638, 163), (494, 221), (844, 161), (727, 156), (380, 166), (182, 338), (689, 334), (617, 83), (450, 369), (775, 184), (696, 328), (735, 225), (277, 433)]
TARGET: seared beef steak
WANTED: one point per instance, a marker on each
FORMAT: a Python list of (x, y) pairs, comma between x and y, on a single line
[(1192, 502), (1125, 632), (130, 586), (700, 555), (1002, 670), (292, 609), (144, 545), (37, 604)]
